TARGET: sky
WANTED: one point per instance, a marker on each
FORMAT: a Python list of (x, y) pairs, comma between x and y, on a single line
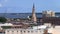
[(25, 6)]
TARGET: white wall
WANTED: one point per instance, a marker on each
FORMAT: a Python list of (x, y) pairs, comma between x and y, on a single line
[(24, 31)]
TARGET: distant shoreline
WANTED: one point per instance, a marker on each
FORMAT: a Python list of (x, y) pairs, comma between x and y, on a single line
[(55, 12)]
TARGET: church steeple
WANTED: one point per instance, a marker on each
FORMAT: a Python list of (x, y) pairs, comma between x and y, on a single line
[(33, 9), (33, 5), (33, 14)]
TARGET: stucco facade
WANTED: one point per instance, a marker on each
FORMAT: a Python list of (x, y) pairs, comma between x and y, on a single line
[(24, 31)]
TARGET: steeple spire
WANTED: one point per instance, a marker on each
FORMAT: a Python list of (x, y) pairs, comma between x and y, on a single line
[(33, 14), (33, 9), (33, 5)]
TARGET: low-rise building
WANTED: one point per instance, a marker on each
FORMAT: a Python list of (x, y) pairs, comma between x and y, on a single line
[(39, 30)]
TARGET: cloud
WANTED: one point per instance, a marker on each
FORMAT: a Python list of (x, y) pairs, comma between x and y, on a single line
[(6, 0), (0, 5)]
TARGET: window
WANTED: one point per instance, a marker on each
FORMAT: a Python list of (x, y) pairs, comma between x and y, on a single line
[(12, 32), (49, 33), (24, 31), (28, 31), (40, 31), (35, 31), (7, 31), (17, 31), (31, 31), (21, 30)]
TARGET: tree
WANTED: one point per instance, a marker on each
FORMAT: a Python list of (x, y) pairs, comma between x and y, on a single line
[(6, 27), (29, 17), (3, 19)]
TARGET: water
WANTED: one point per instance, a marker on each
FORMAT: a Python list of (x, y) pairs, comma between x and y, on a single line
[(19, 15), (22, 15)]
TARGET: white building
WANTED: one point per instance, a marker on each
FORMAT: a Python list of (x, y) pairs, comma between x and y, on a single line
[(25, 31), (6, 24), (48, 13)]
